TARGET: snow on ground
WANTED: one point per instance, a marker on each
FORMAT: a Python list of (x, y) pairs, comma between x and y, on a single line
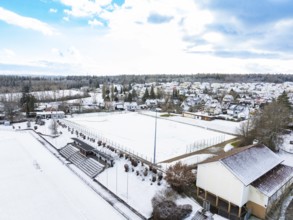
[(128, 186), (136, 132), (41, 95), (286, 151), (35, 185), (137, 191), (94, 97), (188, 160), (228, 147), (218, 125)]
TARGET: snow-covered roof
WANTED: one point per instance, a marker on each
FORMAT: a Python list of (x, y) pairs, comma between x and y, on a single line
[(252, 163), (248, 163), (274, 180)]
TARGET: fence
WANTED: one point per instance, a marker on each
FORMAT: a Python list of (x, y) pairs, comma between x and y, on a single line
[(97, 135), (204, 143)]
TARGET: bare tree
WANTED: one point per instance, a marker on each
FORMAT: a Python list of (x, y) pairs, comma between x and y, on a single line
[(164, 206), (54, 127), (266, 126), (10, 109), (179, 176)]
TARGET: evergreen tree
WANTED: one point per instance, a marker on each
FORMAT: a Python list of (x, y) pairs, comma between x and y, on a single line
[(129, 87), (112, 92), (152, 95), (175, 93), (146, 95), (134, 94), (27, 102), (104, 91), (129, 98), (284, 100)]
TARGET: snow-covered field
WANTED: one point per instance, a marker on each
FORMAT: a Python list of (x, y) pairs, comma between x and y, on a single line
[(128, 186), (218, 125), (135, 132), (42, 95), (34, 185), (41, 173)]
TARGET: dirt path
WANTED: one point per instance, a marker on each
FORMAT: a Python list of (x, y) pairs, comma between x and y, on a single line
[(215, 149)]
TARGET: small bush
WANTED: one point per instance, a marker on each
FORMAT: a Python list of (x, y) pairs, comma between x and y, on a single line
[(151, 168), (145, 172), (126, 167), (137, 173), (134, 162), (160, 176), (154, 178)]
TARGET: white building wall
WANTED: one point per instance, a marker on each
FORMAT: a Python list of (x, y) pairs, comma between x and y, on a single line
[(257, 197), (215, 178)]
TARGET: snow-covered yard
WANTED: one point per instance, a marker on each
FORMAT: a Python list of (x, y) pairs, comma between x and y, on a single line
[(135, 132), (137, 191), (35, 185), (286, 151)]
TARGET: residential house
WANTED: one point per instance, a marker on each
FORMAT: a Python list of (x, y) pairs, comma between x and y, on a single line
[(249, 178)]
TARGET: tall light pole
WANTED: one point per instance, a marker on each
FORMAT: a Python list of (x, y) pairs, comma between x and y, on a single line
[(155, 141)]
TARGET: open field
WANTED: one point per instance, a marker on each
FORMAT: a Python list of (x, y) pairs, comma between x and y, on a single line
[(35, 185), (135, 132)]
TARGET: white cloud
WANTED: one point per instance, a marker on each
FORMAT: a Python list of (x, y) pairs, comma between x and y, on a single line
[(190, 42), (95, 22), (26, 22), (8, 53), (66, 19), (84, 8), (53, 10)]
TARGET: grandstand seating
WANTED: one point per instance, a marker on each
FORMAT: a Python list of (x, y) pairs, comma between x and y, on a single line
[(77, 158), (68, 151), (89, 166)]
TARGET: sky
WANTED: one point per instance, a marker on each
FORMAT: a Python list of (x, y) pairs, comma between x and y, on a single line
[(111, 37)]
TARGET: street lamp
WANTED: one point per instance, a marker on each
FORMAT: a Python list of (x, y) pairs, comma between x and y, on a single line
[(155, 141)]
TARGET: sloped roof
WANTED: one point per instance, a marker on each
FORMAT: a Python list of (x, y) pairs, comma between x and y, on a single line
[(269, 183), (248, 163), (82, 145)]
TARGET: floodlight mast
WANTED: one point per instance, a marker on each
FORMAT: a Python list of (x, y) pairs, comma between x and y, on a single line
[(155, 139)]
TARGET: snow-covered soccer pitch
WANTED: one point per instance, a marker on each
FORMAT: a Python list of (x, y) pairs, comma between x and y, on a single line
[(136, 133)]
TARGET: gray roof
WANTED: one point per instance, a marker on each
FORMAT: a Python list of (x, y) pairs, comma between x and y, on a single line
[(271, 182), (251, 163), (82, 145)]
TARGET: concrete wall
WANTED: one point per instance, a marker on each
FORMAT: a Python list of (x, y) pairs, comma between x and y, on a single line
[(215, 178)]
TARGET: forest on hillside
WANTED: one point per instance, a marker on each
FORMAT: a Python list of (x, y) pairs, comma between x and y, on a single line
[(14, 83)]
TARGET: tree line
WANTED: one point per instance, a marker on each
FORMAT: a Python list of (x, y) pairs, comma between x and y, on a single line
[(14, 83)]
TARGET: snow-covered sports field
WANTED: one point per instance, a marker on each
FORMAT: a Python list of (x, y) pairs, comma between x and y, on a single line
[(35, 185), (136, 133)]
